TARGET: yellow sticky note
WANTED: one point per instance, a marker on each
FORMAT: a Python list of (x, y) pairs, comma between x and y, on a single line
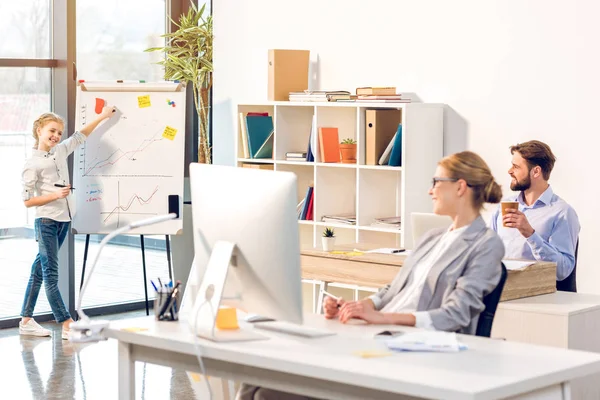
[(348, 253), (144, 101), (169, 133), (227, 318), (372, 354), (134, 329)]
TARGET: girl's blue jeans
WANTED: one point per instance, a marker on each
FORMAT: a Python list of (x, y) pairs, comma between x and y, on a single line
[(50, 235)]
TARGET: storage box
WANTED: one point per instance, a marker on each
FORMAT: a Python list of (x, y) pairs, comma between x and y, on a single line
[(288, 72)]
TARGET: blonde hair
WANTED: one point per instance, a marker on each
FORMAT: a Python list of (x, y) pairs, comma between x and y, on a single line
[(42, 121), (471, 167)]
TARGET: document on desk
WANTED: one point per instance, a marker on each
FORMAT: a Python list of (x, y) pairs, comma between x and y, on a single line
[(517, 265), (435, 341)]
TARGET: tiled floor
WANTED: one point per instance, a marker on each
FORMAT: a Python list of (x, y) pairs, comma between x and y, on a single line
[(52, 368)]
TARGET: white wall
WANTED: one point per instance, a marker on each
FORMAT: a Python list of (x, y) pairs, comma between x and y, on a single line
[(510, 70)]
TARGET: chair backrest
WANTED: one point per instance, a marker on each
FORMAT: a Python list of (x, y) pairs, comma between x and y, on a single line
[(422, 223), (569, 284), (486, 318)]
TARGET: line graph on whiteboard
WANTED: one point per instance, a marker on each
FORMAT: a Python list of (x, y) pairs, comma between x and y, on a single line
[(134, 205), (136, 149)]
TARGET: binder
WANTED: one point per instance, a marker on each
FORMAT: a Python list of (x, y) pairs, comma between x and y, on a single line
[(288, 72), (380, 127)]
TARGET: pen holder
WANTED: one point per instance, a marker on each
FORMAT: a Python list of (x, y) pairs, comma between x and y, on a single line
[(166, 305)]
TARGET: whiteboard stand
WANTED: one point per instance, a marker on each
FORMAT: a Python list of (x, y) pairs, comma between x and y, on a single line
[(142, 246)]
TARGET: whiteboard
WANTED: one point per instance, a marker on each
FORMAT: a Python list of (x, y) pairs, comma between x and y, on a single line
[(132, 162)]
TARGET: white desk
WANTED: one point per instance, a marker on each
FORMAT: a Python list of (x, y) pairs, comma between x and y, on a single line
[(562, 319), (326, 367)]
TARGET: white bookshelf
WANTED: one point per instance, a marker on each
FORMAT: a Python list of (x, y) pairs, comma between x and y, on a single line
[(370, 191)]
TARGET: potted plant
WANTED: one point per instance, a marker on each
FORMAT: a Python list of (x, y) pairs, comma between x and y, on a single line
[(328, 239), (348, 151), (189, 58)]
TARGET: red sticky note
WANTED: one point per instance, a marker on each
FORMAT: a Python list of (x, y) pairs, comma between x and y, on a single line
[(99, 105)]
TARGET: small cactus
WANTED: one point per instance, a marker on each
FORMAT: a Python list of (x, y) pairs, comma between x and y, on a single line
[(348, 141), (328, 232)]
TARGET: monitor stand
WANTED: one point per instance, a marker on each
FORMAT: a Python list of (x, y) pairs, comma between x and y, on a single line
[(208, 299)]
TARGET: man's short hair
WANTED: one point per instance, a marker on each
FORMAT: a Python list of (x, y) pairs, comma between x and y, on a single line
[(536, 153)]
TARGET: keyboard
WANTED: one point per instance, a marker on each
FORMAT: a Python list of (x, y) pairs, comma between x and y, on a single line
[(292, 329)]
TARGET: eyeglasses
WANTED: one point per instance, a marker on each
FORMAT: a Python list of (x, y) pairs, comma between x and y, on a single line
[(436, 180)]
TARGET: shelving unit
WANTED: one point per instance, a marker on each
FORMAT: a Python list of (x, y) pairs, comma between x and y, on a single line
[(367, 190)]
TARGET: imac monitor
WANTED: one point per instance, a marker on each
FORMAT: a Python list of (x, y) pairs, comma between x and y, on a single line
[(246, 243)]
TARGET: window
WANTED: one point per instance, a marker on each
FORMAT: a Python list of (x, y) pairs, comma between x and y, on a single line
[(27, 25), (111, 38)]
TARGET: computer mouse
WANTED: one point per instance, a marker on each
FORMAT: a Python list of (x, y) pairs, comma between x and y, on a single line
[(257, 318)]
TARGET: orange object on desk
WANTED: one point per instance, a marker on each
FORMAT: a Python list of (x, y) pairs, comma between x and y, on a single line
[(227, 318)]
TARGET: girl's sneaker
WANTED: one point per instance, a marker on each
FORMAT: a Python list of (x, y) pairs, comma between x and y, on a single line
[(32, 328)]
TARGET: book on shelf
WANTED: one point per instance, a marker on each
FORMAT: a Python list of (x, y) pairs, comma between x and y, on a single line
[(258, 166), (329, 143), (313, 148), (396, 153), (387, 222), (257, 135), (341, 97), (348, 219), (381, 90), (315, 95), (296, 159), (300, 154), (300, 207), (380, 128), (307, 199)]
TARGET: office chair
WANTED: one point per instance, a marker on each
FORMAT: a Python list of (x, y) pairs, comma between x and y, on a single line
[(569, 284), (486, 318)]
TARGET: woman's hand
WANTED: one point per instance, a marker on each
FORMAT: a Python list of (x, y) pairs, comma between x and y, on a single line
[(331, 307), (364, 310)]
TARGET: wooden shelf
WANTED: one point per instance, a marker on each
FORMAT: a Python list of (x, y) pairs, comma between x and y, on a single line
[(370, 191)]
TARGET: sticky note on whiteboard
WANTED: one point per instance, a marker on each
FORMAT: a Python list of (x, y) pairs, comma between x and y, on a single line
[(144, 101), (169, 133)]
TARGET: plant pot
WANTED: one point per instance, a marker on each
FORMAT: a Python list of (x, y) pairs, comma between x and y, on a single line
[(328, 243), (348, 152)]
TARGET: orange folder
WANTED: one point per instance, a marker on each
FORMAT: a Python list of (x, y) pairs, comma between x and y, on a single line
[(330, 145)]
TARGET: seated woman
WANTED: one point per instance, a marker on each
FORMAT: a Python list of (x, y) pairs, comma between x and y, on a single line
[(444, 280)]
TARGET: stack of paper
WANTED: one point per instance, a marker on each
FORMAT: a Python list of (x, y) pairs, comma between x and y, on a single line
[(427, 341), (388, 222), (349, 219)]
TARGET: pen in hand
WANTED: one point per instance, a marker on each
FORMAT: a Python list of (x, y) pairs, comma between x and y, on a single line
[(63, 186), (336, 298)]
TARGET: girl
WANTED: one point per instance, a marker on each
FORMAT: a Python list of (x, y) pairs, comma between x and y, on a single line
[(46, 186)]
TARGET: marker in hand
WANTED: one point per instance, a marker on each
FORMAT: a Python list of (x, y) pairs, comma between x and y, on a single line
[(62, 186)]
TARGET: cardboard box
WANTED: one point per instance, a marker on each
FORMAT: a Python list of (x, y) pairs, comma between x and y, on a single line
[(288, 72)]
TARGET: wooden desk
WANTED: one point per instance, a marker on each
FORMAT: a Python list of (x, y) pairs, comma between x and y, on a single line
[(378, 270)]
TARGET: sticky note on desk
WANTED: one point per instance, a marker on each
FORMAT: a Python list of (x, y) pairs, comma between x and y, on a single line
[(134, 329), (372, 353), (144, 101), (169, 133), (348, 253)]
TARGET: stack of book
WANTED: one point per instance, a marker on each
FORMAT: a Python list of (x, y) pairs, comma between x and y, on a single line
[(316, 95), (380, 95), (295, 156), (257, 135), (387, 222), (348, 219)]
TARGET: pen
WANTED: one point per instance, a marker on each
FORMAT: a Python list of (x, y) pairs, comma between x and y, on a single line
[(397, 251), (154, 286), (336, 298), (62, 186)]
